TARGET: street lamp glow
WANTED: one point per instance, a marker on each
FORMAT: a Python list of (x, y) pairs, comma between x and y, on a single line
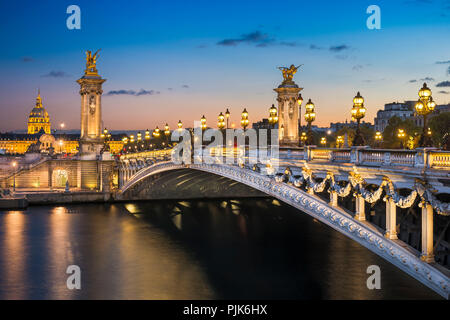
[(323, 141), (310, 116), (166, 130), (244, 118), (424, 106), (203, 122), (180, 124), (358, 112), (273, 115), (221, 121)]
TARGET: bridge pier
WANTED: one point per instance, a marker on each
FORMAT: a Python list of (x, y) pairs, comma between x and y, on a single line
[(427, 233), (360, 208), (391, 219)]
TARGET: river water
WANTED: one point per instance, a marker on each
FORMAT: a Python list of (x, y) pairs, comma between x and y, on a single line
[(201, 249)]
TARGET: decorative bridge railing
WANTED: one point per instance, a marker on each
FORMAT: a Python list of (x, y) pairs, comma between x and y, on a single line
[(417, 180)]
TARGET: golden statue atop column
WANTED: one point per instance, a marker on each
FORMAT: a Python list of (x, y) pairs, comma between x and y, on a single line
[(91, 63), (288, 108), (91, 108)]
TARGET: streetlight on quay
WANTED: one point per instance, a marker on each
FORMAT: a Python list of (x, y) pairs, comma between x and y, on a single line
[(14, 164), (299, 102), (323, 141), (358, 112), (401, 135), (378, 138), (310, 116), (273, 119), (339, 141), (424, 106)]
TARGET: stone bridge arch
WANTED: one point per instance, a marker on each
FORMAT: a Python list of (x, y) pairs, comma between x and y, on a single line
[(335, 217)]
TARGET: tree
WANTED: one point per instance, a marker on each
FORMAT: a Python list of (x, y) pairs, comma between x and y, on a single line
[(390, 138), (440, 126)]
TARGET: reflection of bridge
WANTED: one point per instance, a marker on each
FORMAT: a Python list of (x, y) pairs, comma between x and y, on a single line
[(403, 179)]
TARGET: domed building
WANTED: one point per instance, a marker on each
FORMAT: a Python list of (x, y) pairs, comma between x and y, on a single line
[(38, 118)]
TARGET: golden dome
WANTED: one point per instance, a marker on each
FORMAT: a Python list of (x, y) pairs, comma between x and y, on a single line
[(38, 118)]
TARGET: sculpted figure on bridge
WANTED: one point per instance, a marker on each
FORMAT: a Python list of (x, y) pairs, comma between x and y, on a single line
[(288, 73), (91, 61)]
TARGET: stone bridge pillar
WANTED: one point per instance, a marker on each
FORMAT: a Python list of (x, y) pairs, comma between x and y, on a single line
[(427, 233), (391, 219), (288, 113), (360, 208)]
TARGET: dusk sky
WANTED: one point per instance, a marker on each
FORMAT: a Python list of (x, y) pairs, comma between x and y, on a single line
[(191, 58)]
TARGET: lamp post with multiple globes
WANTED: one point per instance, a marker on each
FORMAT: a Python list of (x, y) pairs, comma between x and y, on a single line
[(424, 106), (358, 112), (378, 138), (244, 119)]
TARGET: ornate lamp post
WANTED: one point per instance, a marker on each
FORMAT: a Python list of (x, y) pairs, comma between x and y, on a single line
[(378, 138), (339, 141), (203, 123), (310, 116), (401, 135), (323, 141), (227, 115), (273, 116), (180, 125), (156, 133), (424, 106), (221, 121), (244, 119), (358, 112)]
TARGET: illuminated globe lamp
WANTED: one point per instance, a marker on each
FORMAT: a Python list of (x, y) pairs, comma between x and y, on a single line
[(147, 135), (424, 106), (401, 135), (273, 116), (303, 138), (156, 133), (378, 137), (203, 123), (221, 121), (139, 137), (227, 115), (310, 116), (358, 112), (323, 141), (180, 125), (166, 130), (132, 138), (339, 141), (244, 119)]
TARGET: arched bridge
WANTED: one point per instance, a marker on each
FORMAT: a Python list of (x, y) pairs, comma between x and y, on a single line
[(300, 180)]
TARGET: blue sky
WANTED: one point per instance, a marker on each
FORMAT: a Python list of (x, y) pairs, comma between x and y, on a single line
[(198, 57)]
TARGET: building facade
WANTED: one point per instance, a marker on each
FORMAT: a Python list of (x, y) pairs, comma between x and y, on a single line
[(41, 139)]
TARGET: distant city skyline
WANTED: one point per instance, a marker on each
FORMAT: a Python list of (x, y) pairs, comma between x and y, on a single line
[(166, 62)]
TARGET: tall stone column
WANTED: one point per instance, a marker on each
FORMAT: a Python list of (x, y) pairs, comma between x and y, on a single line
[(91, 110), (288, 109)]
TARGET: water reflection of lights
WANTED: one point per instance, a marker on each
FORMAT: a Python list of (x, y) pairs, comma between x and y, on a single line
[(132, 208), (184, 204), (276, 202), (59, 210)]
